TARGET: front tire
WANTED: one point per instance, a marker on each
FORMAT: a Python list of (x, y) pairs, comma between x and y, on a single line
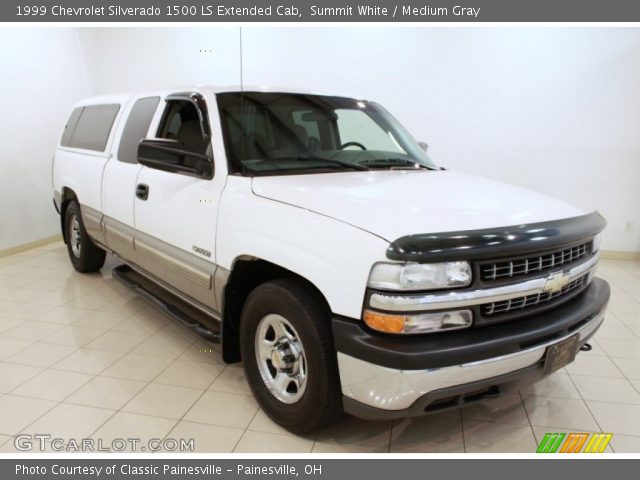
[(289, 357), (85, 256)]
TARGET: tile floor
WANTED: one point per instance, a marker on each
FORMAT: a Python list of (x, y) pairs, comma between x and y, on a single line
[(81, 356)]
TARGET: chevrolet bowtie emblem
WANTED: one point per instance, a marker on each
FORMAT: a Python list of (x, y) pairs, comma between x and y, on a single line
[(556, 282)]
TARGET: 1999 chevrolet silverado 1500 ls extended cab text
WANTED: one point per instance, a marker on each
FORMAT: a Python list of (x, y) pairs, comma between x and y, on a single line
[(314, 238)]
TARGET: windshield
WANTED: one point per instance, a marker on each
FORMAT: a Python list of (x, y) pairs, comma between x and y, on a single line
[(283, 133)]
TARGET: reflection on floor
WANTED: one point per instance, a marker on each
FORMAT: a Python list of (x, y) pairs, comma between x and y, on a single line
[(81, 356)]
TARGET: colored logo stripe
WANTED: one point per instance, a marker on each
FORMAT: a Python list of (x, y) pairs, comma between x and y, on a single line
[(573, 443), (550, 442), (598, 442)]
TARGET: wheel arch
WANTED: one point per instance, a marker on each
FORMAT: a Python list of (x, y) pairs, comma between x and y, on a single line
[(67, 195), (247, 273)]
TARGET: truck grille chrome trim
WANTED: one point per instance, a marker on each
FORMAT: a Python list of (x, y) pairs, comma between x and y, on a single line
[(457, 299), (534, 300), (533, 265)]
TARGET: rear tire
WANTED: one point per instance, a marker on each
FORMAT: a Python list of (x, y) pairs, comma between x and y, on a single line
[(85, 256), (289, 357)]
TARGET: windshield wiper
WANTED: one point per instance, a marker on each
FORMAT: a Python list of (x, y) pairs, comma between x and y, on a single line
[(332, 161), (396, 162)]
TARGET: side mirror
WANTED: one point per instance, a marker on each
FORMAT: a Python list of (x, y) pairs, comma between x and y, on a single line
[(424, 146), (171, 156)]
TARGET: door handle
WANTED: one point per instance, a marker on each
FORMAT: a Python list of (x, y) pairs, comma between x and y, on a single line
[(142, 191)]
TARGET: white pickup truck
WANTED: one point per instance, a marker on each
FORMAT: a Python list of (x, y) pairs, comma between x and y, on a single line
[(315, 239)]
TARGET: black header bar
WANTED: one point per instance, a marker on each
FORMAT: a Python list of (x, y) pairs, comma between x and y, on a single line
[(319, 11)]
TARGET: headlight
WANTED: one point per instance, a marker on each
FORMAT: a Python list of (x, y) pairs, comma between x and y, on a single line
[(420, 276), (418, 323), (596, 243)]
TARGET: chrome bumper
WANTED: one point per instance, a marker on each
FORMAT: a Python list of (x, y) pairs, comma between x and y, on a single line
[(391, 389)]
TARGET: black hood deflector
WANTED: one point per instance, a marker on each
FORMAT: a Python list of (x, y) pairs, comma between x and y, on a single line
[(496, 242)]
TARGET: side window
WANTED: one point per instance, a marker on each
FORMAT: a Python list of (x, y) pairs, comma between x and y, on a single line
[(65, 141), (92, 128), (136, 128), (181, 123)]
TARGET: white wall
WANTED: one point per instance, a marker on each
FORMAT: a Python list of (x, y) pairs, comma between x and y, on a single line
[(46, 70), (131, 59), (553, 109), (42, 75)]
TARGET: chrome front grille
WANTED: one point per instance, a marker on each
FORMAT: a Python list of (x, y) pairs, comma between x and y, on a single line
[(522, 267), (519, 303)]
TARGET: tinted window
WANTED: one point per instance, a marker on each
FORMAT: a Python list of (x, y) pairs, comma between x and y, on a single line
[(70, 127), (181, 123), (311, 129), (93, 127), (269, 133), (356, 126), (136, 128)]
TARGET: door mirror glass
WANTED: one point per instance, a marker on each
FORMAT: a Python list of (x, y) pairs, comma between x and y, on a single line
[(171, 156)]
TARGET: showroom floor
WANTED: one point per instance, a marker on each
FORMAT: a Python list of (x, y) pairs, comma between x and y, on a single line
[(80, 356)]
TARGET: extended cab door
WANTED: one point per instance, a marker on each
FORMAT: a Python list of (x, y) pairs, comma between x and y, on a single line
[(175, 208), (121, 173)]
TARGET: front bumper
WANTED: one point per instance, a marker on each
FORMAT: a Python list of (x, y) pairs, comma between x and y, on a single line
[(385, 376)]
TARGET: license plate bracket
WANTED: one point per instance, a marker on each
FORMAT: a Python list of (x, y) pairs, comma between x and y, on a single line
[(561, 354)]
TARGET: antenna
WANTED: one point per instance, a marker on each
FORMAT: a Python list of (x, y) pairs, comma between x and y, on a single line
[(241, 69), (241, 113)]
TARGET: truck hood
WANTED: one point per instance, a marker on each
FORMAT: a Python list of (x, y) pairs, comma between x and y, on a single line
[(392, 204)]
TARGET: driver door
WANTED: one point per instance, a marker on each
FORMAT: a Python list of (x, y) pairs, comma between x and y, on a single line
[(176, 210)]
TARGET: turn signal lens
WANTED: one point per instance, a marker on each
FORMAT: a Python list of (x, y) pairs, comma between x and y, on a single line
[(383, 322), (420, 323)]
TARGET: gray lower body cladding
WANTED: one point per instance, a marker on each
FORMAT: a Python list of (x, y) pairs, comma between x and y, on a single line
[(183, 273)]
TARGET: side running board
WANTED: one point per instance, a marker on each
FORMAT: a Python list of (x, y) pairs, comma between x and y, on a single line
[(169, 304)]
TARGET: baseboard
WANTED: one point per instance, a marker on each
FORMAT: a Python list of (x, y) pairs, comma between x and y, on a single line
[(619, 255), (28, 246)]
